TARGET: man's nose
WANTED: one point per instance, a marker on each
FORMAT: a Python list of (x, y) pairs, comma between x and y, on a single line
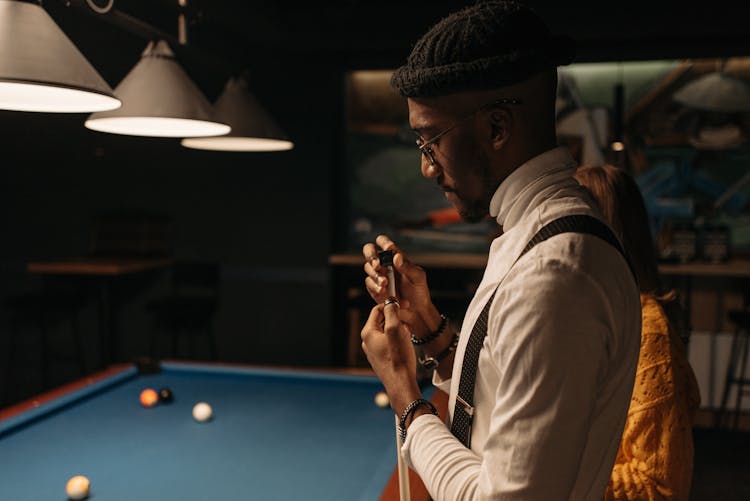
[(430, 170)]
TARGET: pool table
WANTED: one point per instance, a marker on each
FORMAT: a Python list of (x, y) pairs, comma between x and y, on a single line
[(276, 434)]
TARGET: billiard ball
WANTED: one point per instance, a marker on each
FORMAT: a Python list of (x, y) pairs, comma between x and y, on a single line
[(149, 397), (78, 487), (202, 412), (165, 395), (382, 400)]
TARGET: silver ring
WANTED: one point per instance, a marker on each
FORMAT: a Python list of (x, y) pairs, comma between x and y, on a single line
[(391, 300)]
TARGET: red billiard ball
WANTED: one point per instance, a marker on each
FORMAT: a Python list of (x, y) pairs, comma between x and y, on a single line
[(165, 395), (149, 397)]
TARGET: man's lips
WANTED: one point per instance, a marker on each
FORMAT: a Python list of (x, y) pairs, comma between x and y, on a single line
[(444, 187)]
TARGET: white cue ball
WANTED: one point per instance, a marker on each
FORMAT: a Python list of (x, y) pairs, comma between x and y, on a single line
[(202, 412), (78, 487), (382, 400)]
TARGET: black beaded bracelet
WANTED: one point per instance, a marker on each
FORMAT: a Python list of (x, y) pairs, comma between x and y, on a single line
[(417, 341), (431, 363), (409, 409)]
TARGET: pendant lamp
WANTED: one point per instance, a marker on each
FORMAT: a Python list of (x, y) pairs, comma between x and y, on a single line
[(41, 69), (718, 91), (618, 118), (159, 100), (253, 129)]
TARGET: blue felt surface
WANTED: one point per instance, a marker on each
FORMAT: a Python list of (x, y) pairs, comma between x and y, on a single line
[(275, 436)]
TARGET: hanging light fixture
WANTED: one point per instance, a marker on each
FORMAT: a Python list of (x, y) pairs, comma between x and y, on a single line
[(159, 100), (618, 112), (253, 129), (41, 69), (715, 102), (618, 143), (717, 91)]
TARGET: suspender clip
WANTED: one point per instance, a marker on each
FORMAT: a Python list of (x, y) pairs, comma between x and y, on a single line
[(467, 408)]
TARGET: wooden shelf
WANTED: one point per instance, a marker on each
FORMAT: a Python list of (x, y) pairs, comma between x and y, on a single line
[(732, 268)]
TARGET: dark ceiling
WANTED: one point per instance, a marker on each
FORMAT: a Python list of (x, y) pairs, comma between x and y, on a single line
[(227, 35)]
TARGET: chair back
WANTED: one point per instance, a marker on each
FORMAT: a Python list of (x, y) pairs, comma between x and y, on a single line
[(196, 278), (131, 234)]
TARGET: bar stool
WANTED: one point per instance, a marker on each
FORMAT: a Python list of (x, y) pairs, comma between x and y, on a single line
[(737, 359), (187, 312), (38, 312)]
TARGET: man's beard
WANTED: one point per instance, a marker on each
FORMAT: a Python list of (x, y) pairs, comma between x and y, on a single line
[(474, 211), (473, 215)]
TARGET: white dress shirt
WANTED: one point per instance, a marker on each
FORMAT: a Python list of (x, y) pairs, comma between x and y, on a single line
[(556, 370)]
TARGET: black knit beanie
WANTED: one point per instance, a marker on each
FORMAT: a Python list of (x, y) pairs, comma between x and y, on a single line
[(485, 46)]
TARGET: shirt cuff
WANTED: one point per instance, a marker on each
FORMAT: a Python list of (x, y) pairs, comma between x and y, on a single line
[(421, 424)]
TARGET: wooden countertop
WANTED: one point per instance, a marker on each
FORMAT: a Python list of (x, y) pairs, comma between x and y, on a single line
[(430, 260), (739, 267), (96, 266)]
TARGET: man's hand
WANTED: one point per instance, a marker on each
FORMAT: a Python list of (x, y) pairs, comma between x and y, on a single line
[(416, 308), (388, 347)]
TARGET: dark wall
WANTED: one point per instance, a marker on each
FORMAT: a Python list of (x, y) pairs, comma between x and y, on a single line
[(265, 217)]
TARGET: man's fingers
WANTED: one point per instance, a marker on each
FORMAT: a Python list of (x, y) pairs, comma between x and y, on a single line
[(374, 321), (376, 291), (386, 243), (413, 273), (392, 320), (370, 252), (371, 272)]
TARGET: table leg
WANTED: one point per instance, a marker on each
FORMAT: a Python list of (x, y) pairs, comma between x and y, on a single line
[(688, 309), (718, 324), (108, 340), (103, 321)]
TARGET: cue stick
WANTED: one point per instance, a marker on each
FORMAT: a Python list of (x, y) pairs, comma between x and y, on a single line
[(403, 471), (386, 259)]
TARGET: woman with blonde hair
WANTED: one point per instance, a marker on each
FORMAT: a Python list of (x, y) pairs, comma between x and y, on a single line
[(655, 459)]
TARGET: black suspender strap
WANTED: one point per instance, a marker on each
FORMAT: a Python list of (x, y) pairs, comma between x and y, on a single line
[(580, 223), (463, 411)]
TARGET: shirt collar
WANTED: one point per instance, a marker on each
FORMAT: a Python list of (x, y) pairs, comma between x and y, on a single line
[(531, 177)]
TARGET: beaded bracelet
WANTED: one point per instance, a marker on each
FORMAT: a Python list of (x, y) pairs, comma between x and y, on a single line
[(431, 363), (431, 337), (409, 409)]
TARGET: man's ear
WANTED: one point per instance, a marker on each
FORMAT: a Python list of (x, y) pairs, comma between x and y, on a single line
[(501, 126)]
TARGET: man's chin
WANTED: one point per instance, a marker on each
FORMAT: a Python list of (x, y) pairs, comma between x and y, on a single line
[(471, 213), (472, 216)]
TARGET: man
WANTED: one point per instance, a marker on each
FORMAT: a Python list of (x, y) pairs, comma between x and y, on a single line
[(543, 415)]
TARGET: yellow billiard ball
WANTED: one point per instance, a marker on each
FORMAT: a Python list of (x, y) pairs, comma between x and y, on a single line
[(78, 487)]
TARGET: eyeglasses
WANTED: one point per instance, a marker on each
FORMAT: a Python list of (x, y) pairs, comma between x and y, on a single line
[(425, 147)]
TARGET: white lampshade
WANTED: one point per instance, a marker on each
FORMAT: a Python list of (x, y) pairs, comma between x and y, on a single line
[(717, 137), (41, 69), (717, 91), (253, 129), (159, 100)]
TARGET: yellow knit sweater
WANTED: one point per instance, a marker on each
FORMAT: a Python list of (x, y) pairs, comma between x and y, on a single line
[(655, 460)]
